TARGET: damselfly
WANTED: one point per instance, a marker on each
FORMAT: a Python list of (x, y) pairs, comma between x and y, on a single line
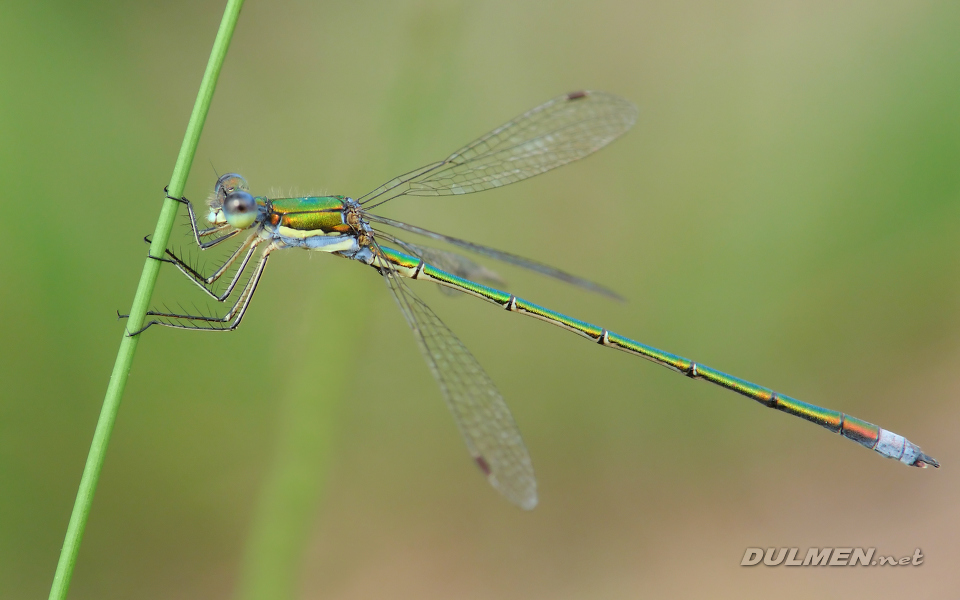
[(564, 129)]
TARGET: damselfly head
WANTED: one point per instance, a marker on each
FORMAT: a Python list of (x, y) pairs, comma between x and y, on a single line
[(227, 184), (240, 209)]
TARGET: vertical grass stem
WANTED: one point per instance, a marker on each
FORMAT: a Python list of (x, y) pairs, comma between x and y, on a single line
[(148, 279)]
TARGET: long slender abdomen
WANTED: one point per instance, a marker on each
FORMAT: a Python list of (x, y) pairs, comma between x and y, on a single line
[(884, 442)]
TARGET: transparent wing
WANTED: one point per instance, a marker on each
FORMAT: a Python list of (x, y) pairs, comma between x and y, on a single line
[(506, 257), (479, 410), (563, 130), (461, 266)]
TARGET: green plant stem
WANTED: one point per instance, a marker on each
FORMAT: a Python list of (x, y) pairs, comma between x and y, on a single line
[(148, 279)]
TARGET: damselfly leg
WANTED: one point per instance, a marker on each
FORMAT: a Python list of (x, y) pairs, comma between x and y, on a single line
[(229, 321), (198, 233), (205, 281)]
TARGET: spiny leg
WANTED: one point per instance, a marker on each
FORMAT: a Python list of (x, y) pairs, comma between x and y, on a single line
[(201, 233), (250, 245), (228, 322)]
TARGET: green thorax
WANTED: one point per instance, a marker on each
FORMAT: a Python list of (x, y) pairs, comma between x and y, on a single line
[(309, 214)]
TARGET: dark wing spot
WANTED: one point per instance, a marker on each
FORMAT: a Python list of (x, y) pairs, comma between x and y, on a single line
[(576, 95), (482, 463)]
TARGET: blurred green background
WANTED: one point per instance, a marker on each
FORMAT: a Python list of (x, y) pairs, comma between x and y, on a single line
[(786, 209)]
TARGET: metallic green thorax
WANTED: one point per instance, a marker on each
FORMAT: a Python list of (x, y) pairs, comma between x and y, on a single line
[(309, 214)]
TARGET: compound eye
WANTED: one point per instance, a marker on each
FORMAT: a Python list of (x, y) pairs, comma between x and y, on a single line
[(229, 183), (240, 209)]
